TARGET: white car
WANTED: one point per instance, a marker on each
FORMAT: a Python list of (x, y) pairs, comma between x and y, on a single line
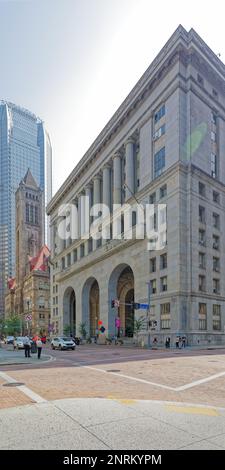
[(19, 342), (62, 342)]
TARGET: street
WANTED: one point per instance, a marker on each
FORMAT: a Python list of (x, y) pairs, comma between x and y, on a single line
[(113, 397)]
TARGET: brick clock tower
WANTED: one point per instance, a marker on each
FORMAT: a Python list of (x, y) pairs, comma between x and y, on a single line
[(29, 231)]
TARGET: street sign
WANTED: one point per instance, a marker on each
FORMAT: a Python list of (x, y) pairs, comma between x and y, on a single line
[(28, 317), (144, 306)]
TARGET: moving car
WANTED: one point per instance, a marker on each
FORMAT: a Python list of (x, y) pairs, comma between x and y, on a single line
[(9, 339), (62, 342)]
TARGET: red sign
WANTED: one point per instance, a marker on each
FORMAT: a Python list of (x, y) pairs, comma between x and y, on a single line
[(117, 322)]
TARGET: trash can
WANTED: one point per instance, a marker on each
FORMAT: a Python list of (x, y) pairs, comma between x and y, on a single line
[(33, 347)]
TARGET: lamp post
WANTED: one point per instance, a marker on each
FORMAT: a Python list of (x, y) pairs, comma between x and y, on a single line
[(148, 313)]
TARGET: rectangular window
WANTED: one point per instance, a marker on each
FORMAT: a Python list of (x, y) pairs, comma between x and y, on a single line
[(63, 263), (90, 245), (160, 113), (202, 238), (159, 162), (201, 188), (161, 131), (216, 317), (68, 259), (216, 264), (202, 260), (213, 165), (201, 283), (202, 316), (163, 261), (213, 118), (216, 220), (165, 316), (213, 136), (82, 250), (152, 265), (216, 197), (201, 214), (163, 191), (36, 215), (216, 286), (75, 255), (216, 242), (163, 284), (152, 198), (153, 286)]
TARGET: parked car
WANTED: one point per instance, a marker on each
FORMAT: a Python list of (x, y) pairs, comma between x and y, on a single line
[(62, 342), (9, 339), (19, 342)]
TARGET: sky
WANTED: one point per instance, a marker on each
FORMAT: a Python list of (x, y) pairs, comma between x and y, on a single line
[(72, 62)]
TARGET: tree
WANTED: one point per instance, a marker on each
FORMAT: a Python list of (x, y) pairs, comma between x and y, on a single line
[(11, 326), (66, 330), (139, 325), (83, 330)]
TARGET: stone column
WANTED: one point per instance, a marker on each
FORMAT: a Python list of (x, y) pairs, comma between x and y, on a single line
[(129, 145), (81, 214), (117, 179), (96, 197), (106, 192), (87, 214)]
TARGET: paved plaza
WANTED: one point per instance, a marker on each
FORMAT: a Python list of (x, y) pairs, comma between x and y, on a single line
[(111, 397)]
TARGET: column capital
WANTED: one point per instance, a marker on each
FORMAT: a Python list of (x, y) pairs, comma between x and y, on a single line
[(88, 187), (130, 140), (106, 166), (97, 177), (117, 155)]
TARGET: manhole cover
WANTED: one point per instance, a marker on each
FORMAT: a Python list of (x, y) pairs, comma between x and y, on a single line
[(13, 384), (113, 370)]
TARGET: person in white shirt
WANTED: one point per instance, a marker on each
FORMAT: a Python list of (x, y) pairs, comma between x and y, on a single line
[(39, 347), (27, 346)]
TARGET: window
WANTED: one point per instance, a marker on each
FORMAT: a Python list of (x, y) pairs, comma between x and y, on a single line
[(68, 259), (36, 215), (27, 213), (216, 220), (216, 242), (153, 286), (165, 316), (201, 283), (202, 316), (63, 263), (42, 316), (202, 260), (213, 136), (216, 286), (201, 188), (216, 197), (32, 214), (99, 240), (213, 118), (163, 191), (159, 162), (213, 165), (216, 317), (161, 131), (75, 255), (152, 265), (163, 284), (160, 113), (202, 238), (82, 250), (201, 214), (163, 261), (216, 264), (215, 94), (200, 80), (152, 198), (56, 288), (90, 245), (41, 302)]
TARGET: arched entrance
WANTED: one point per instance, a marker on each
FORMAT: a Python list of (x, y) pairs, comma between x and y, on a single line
[(121, 287), (69, 312), (90, 305)]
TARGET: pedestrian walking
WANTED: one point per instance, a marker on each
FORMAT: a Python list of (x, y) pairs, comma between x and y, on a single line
[(177, 342), (39, 347), (180, 342), (183, 341), (167, 342), (27, 346)]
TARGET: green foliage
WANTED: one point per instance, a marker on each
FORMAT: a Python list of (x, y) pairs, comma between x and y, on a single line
[(139, 324), (66, 330), (83, 330), (11, 326)]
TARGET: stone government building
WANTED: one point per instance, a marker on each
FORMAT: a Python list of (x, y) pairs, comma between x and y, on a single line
[(166, 143)]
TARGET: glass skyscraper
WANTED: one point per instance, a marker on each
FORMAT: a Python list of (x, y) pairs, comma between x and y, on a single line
[(24, 143)]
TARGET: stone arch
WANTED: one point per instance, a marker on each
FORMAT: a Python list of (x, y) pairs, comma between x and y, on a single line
[(69, 310), (90, 305), (121, 287)]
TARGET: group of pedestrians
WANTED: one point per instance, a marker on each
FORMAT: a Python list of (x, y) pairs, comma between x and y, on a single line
[(27, 346), (180, 342)]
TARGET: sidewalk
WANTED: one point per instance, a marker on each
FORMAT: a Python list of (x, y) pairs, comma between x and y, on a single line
[(8, 357)]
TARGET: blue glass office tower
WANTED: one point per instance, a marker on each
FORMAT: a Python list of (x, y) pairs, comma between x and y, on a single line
[(24, 143)]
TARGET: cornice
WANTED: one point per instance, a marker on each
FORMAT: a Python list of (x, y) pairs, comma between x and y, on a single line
[(175, 49)]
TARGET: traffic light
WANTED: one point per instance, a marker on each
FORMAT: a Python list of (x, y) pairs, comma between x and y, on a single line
[(102, 329)]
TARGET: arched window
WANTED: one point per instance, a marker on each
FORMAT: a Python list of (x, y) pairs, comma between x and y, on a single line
[(32, 214), (27, 212), (36, 215)]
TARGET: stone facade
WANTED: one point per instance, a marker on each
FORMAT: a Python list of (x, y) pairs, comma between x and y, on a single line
[(164, 145)]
